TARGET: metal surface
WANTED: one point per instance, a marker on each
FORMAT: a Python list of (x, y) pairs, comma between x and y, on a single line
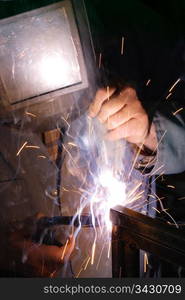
[(133, 231)]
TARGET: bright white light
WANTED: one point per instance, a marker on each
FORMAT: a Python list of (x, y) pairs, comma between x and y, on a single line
[(55, 70), (105, 178), (115, 188), (110, 192), (108, 223)]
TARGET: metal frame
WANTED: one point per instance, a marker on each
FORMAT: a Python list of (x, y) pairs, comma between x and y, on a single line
[(133, 231)]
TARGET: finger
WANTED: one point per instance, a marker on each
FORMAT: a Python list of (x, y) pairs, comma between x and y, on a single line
[(101, 96), (120, 117), (126, 131), (109, 108), (115, 104), (129, 92)]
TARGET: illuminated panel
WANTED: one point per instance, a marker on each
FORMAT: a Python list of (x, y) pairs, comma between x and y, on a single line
[(37, 56)]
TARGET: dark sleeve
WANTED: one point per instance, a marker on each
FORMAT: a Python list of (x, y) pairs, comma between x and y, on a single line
[(170, 127)]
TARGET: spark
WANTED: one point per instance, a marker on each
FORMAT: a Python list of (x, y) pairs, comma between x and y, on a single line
[(79, 273), (93, 252), (101, 252), (31, 146), (145, 261), (22, 147), (148, 82), (175, 223), (143, 205), (122, 44), (84, 263), (155, 150), (65, 190), (165, 211), (152, 196), (87, 263), (65, 121), (108, 254), (64, 251), (171, 186), (134, 189), (138, 196), (181, 198), (69, 155), (168, 96), (72, 144), (177, 111), (176, 82), (156, 210), (155, 179), (135, 160), (159, 141), (30, 114), (41, 156), (100, 60)]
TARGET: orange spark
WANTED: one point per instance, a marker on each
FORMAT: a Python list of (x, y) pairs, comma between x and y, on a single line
[(181, 198), (41, 156), (108, 254), (100, 60), (171, 186), (93, 252), (65, 122), (65, 247), (135, 160), (122, 44), (168, 95), (155, 179), (148, 82), (72, 144), (152, 196), (177, 81), (34, 147), (87, 263), (22, 147), (177, 111), (134, 189), (156, 210), (145, 262), (100, 257), (79, 272), (31, 114)]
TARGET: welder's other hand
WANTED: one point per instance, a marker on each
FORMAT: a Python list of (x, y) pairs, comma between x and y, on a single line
[(124, 116), (26, 258)]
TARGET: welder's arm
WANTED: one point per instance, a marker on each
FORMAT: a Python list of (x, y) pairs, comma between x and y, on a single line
[(20, 256)]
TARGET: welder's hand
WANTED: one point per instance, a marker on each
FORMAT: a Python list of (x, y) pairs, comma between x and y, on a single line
[(29, 259), (124, 116)]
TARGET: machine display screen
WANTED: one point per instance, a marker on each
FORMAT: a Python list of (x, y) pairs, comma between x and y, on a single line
[(38, 54)]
